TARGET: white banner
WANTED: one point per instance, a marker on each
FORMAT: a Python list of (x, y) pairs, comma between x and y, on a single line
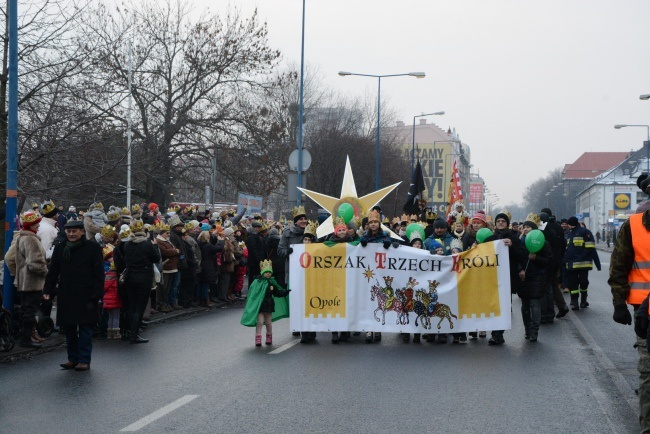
[(354, 288)]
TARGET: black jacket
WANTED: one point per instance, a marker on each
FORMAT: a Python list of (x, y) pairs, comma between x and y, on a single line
[(536, 282), (139, 256), (80, 283)]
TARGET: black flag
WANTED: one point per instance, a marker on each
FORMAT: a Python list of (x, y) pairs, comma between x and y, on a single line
[(415, 191)]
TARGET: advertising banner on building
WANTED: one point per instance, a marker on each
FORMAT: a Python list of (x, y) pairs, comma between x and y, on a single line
[(436, 161), (252, 202), (622, 201), (404, 289), (475, 193)]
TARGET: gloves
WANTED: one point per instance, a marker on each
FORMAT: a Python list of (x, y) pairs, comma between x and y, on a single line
[(364, 243), (395, 244), (386, 244), (290, 250), (622, 314)]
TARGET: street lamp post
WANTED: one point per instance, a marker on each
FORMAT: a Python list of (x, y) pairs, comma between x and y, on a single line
[(413, 146), (647, 127), (379, 77)]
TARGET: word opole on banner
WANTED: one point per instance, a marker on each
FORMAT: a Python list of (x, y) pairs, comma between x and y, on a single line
[(402, 290)]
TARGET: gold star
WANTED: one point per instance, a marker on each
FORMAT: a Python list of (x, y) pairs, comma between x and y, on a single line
[(368, 274), (361, 205)]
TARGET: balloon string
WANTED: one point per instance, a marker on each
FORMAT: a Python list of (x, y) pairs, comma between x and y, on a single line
[(527, 262)]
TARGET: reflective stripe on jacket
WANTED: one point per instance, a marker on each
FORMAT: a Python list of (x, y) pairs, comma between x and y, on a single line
[(639, 276)]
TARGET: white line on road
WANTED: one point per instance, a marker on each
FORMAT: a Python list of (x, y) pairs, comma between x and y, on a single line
[(160, 413), (285, 347)]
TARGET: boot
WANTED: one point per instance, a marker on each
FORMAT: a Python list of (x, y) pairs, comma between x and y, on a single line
[(416, 338), (335, 337), (258, 340), (583, 300), (378, 337), (269, 339), (368, 337), (110, 334), (117, 334), (574, 302), (406, 337), (35, 336)]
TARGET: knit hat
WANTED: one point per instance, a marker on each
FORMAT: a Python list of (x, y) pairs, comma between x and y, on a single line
[(152, 206), (573, 221), (29, 218), (228, 232), (205, 227), (439, 223), (504, 216), (266, 265), (72, 208), (435, 244), (480, 216)]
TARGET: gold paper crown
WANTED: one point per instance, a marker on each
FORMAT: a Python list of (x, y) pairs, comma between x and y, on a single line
[(34, 205), (460, 219), (395, 220), (126, 211), (310, 229), (404, 218), (432, 215), (298, 210), (107, 251), (108, 231), (29, 217), (339, 221), (113, 214), (231, 212), (160, 226), (148, 227), (266, 265), (97, 205), (385, 221), (137, 225), (532, 217), (257, 216), (125, 233), (374, 216), (506, 212), (135, 209), (47, 207)]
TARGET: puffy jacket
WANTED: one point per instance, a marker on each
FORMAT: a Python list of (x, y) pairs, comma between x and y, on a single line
[(111, 298)]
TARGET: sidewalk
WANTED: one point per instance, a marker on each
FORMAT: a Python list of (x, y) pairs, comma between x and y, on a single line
[(57, 340), (602, 246)]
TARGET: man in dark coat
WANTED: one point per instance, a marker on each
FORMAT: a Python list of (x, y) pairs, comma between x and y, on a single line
[(256, 251), (77, 266)]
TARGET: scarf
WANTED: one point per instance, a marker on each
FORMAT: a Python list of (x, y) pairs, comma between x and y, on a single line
[(69, 247)]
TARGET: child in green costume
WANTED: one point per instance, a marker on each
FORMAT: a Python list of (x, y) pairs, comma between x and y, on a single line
[(266, 302)]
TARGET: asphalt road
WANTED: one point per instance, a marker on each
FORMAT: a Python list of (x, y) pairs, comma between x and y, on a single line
[(203, 374)]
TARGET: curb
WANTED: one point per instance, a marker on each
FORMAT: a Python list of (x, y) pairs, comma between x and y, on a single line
[(57, 340)]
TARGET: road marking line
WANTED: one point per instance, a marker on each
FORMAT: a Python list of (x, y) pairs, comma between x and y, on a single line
[(160, 413), (285, 347), (617, 378)]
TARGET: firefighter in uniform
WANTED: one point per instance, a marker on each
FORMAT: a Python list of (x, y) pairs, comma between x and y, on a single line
[(629, 278), (580, 252)]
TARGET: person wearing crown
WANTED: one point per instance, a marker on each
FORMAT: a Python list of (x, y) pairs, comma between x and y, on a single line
[(265, 303), (26, 261), (47, 230), (457, 213)]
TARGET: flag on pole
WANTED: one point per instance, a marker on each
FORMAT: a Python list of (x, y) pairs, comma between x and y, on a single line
[(415, 191), (455, 189)]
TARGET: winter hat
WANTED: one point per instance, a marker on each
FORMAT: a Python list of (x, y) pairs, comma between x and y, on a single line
[(205, 227), (435, 244), (152, 206), (547, 211), (564, 221), (640, 179), (228, 232), (339, 223), (644, 184), (72, 208), (543, 217), (480, 216), (504, 216), (273, 231), (125, 233), (573, 221), (352, 225), (29, 218), (439, 223)]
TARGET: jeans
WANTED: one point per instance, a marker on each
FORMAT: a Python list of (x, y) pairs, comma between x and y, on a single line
[(171, 283), (79, 342), (202, 291)]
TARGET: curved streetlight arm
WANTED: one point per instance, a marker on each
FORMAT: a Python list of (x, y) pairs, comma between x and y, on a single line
[(440, 113)]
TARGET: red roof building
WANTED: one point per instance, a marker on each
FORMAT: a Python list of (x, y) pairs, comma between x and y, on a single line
[(592, 164)]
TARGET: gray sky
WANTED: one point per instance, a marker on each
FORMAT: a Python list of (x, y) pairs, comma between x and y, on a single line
[(529, 86)]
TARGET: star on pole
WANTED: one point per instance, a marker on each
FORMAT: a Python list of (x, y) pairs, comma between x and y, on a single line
[(348, 194)]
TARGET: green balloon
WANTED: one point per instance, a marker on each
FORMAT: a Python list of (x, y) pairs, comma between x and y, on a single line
[(535, 241), (415, 227), (346, 212), (482, 234)]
